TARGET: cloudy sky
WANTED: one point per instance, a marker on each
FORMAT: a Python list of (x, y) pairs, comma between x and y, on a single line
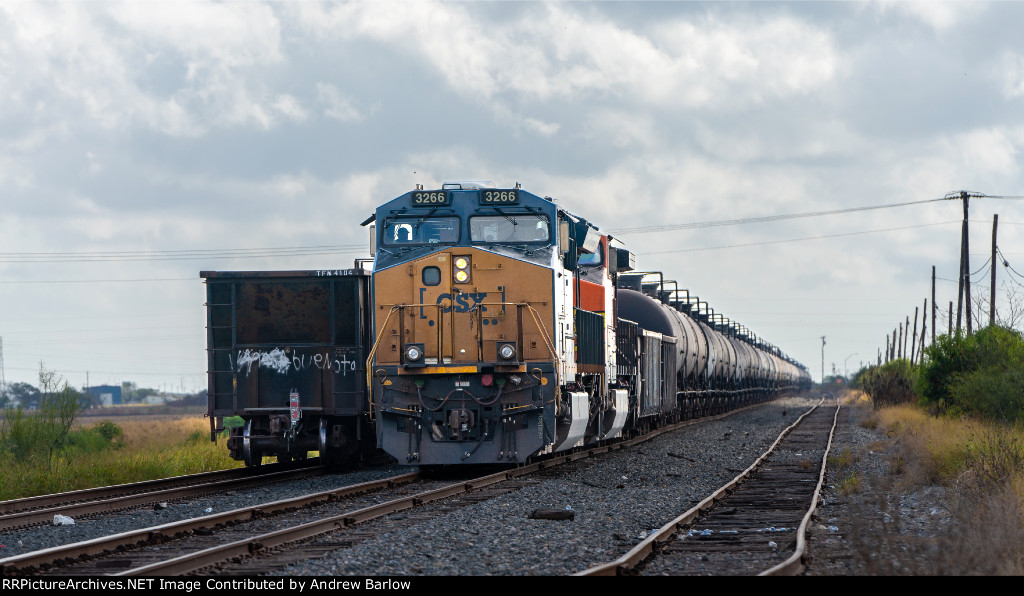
[(143, 142)]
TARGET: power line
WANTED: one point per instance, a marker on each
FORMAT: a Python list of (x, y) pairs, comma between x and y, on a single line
[(95, 281), (942, 223), (176, 255), (768, 218)]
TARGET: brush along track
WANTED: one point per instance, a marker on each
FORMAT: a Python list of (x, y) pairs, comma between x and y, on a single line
[(31, 511), (755, 524)]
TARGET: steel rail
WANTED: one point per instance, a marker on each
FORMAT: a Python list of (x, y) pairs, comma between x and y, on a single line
[(111, 498), (108, 543), (794, 565), (200, 559), (38, 501), (646, 547)]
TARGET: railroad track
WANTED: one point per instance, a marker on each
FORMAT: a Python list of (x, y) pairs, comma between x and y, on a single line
[(754, 525), (268, 537), (31, 511)]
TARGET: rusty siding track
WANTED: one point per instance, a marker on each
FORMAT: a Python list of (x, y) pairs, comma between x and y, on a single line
[(20, 513), (734, 527)]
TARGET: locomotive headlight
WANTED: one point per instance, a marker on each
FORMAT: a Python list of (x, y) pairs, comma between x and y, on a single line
[(507, 351), (461, 269), (413, 353)]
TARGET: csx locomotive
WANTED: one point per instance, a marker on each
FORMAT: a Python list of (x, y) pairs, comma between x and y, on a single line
[(506, 327), (495, 326)]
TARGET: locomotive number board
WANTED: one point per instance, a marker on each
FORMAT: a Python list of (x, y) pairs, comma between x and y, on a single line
[(431, 198), (499, 197)]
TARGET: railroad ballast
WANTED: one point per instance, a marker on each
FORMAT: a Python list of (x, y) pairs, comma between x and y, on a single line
[(495, 326)]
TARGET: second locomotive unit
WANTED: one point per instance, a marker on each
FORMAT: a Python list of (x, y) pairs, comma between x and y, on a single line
[(498, 334)]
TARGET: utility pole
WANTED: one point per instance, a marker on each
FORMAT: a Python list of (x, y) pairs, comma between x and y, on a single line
[(964, 292), (3, 380), (924, 324), (822, 359), (899, 346), (992, 292), (933, 304), (913, 342)]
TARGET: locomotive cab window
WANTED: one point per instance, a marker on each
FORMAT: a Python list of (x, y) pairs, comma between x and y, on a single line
[(421, 230), (593, 259), (515, 228)]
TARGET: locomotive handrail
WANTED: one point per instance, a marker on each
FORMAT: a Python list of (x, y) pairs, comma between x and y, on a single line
[(397, 307), (373, 352)]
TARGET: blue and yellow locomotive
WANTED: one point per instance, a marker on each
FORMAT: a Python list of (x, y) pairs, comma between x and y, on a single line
[(498, 336), (479, 303)]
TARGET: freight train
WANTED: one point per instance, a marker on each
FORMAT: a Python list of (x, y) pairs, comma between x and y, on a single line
[(494, 326)]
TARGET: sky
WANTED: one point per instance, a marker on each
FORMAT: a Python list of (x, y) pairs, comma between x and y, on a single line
[(144, 142)]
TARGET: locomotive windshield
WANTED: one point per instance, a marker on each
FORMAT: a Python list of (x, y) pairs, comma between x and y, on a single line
[(406, 231), (514, 228)]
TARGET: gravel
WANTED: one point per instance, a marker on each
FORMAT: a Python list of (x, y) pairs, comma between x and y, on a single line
[(883, 527), (617, 499), (14, 543)]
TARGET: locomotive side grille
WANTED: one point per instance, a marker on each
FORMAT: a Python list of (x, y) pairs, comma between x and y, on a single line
[(589, 337)]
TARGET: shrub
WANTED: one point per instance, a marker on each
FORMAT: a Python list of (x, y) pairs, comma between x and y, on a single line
[(42, 433), (890, 384), (980, 374)]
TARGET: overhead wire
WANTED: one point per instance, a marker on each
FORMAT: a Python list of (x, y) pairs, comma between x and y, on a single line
[(176, 255), (766, 218), (798, 239)]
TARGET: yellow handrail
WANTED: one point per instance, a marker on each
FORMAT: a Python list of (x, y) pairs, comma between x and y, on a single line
[(548, 343)]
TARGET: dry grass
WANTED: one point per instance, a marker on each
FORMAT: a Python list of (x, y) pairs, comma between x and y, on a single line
[(983, 465), (148, 449)]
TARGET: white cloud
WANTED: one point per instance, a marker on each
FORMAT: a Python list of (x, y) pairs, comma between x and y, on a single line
[(1010, 74), (942, 16), (556, 53), (336, 104)]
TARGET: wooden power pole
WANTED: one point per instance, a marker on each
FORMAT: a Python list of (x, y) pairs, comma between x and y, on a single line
[(933, 304), (992, 292)]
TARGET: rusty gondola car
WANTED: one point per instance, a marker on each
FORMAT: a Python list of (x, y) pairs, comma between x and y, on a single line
[(287, 352)]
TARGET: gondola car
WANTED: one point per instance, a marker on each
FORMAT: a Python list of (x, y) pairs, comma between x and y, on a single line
[(286, 354)]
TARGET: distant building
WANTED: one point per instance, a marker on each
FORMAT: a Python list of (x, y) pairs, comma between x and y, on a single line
[(159, 400), (105, 395)]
